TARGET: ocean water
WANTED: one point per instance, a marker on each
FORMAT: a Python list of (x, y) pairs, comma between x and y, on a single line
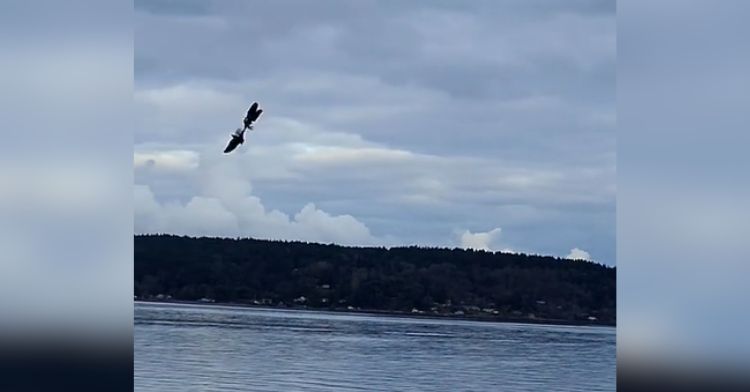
[(215, 348)]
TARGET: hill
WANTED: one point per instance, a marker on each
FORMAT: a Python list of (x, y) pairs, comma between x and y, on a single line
[(416, 280)]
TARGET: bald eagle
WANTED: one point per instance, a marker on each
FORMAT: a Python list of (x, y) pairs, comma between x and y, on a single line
[(238, 137), (252, 114)]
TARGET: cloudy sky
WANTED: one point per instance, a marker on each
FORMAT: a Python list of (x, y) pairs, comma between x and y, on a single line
[(483, 124)]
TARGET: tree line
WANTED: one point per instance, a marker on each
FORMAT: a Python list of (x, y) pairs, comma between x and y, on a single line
[(424, 280)]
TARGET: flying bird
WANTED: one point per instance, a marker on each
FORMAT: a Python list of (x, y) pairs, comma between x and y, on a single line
[(238, 137), (252, 114)]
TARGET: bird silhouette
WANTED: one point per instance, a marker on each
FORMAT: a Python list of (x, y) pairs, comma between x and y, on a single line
[(252, 114), (238, 137)]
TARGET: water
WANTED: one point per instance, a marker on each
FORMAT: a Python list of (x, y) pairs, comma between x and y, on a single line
[(214, 348)]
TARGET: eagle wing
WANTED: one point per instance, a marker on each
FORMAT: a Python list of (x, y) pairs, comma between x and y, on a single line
[(252, 114), (256, 115)]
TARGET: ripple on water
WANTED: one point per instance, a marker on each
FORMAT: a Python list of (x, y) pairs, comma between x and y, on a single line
[(197, 348)]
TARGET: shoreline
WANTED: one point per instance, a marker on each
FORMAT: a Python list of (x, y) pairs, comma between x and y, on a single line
[(390, 313)]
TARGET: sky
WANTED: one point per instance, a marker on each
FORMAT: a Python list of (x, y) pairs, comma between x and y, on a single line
[(483, 124)]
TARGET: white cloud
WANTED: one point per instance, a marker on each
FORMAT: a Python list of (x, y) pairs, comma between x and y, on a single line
[(327, 155), (317, 225), (225, 206), (210, 216), (173, 160), (480, 241), (578, 254)]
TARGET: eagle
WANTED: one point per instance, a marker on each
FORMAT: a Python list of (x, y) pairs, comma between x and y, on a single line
[(238, 137), (252, 114)]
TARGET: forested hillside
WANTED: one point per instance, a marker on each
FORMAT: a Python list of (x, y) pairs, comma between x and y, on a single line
[(429, 281)]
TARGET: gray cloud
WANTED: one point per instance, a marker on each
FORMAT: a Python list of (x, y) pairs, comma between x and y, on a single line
[(417, 119)]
